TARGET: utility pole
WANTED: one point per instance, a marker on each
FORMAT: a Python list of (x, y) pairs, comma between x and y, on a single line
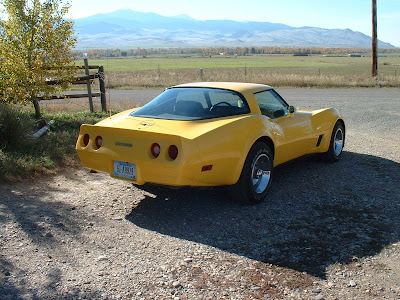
[(374, 41)]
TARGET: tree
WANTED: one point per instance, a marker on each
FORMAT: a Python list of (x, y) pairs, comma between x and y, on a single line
[(36, 43)]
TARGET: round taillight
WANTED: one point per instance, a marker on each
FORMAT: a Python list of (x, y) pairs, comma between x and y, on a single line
[(98, 141), (86, 139), (173, 152), (155, 150)]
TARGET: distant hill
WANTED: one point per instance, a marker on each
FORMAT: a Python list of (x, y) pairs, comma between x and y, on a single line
[(131, 29)]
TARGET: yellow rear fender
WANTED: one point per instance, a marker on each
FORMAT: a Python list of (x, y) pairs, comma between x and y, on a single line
[(263, 137), (227, 146)]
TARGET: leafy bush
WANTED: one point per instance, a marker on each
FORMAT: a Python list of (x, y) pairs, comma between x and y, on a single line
[(15, 125), (48, 154)]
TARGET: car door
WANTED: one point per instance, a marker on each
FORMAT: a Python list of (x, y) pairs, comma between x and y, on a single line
[(291, 131)]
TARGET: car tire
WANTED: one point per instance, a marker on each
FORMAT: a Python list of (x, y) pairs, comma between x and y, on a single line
[(256, 177), (336, 144)]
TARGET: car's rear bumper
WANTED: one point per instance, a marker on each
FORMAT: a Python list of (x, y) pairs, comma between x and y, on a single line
[(188, 169)]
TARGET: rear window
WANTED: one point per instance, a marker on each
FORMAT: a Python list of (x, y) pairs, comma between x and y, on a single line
[(194, 104)]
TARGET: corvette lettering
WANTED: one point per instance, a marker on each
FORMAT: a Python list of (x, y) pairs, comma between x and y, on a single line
[(123, 144)]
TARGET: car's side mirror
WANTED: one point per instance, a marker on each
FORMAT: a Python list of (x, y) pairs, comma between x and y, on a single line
[(292, 109), (279, 113)]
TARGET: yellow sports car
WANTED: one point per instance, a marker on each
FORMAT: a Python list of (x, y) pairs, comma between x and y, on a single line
[(210, 134)]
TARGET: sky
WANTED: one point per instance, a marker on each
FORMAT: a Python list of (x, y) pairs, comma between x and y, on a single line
[(341, 14)]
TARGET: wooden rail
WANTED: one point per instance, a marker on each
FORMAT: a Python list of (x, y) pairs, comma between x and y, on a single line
[(70, 96), (78, 80), (87, 79)]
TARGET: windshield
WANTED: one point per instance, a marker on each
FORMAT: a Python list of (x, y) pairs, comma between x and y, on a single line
[(194, 104)]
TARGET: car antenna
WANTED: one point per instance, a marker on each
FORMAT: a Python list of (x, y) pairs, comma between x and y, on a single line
[(108, 91), (109, 102)]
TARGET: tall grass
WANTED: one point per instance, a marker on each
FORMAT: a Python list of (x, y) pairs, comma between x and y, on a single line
[(165, 78), (25, 158), (15, 125)]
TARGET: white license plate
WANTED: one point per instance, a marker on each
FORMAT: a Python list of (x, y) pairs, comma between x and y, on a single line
[(125, 170)]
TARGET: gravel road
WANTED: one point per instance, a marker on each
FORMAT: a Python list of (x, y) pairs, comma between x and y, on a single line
[(327, 231)]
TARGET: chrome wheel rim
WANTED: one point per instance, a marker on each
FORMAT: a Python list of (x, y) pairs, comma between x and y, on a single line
[(338, 142), (261, 173)]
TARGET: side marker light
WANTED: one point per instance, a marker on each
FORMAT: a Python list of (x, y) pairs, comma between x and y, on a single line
[(206, 168)]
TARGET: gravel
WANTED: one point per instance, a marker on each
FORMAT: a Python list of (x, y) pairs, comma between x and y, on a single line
[(327, 231)]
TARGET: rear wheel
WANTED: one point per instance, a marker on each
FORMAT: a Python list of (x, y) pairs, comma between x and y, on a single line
[(255, 179), (337, 143)]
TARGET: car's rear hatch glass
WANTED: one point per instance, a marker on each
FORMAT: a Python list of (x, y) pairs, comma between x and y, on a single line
[(190, 103)]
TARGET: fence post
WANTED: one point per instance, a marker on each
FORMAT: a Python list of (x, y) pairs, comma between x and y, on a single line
[(201, 73), (89, 88), (102, 89)]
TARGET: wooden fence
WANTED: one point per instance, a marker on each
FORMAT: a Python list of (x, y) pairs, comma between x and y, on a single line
[(87, 80)]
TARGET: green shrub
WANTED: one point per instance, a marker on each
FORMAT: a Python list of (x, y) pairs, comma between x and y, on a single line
[(26, 158), (15, 126)]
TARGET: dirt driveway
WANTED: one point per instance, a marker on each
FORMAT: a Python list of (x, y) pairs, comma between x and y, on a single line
[(327, 231)]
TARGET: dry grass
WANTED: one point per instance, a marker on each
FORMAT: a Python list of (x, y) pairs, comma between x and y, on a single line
[(276, 70), (73, 106), (165, 78)]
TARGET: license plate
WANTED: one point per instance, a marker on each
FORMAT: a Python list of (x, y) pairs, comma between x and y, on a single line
[(125, 170)]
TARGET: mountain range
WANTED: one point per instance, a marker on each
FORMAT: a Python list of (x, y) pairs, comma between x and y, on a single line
[(130, 29)]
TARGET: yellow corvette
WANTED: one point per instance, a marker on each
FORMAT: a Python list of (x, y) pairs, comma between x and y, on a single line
[(210, 134)]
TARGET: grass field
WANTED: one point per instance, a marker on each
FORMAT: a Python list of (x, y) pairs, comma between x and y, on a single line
[(333, 65), (277, 70)]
